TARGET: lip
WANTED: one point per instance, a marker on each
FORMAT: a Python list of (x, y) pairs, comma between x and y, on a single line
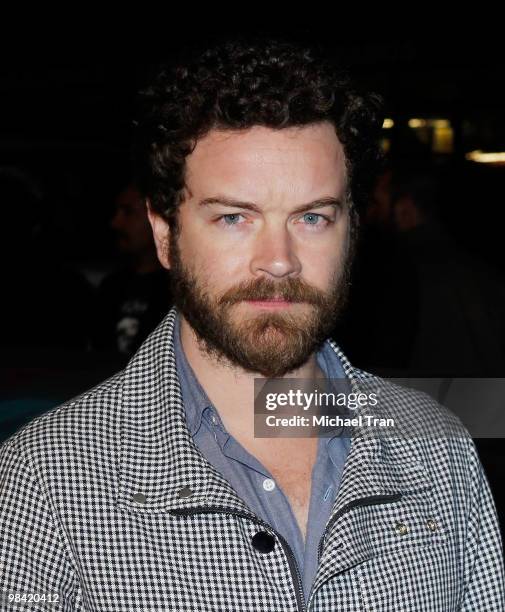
[(274, 303)]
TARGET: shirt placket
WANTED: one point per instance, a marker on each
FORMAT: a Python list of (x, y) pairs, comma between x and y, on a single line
[(270, 492)]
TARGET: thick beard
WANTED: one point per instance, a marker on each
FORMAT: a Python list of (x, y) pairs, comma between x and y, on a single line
[(269, 343)]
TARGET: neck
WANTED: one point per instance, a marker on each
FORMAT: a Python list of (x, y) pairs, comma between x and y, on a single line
[(231, 388)]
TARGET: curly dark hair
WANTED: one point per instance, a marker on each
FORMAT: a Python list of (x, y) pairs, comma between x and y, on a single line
[(237, 85)]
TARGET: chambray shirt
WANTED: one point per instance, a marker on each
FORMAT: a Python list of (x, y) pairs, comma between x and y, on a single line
[(251, 480)]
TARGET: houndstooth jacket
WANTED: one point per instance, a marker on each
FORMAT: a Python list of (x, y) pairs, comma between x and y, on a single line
[(106, 505)]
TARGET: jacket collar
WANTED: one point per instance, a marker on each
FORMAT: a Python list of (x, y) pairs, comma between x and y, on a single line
[(161, 469)]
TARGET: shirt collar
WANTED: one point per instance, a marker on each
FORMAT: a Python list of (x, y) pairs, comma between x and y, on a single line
[(194, 397), (337, 445), (158, 457), (196, 401)]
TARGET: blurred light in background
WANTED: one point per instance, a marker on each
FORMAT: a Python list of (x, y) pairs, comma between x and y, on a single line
[(486, 158), (436, 133)]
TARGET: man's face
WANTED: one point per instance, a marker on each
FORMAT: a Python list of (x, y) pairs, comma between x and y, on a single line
[(264, 216)]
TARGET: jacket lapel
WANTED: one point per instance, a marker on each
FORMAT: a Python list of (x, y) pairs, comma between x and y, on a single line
[(379, 470), (161, 469)]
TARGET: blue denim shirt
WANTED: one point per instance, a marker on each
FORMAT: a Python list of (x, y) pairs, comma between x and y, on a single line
[(251, 480)]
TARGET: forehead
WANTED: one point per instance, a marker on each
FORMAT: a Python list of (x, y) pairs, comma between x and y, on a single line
[(260, 161)]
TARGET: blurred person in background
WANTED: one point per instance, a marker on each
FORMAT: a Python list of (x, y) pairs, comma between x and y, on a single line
[(432, 307), (133, 299)]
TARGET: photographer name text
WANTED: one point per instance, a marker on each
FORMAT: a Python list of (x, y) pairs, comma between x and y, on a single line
[(362, 420)]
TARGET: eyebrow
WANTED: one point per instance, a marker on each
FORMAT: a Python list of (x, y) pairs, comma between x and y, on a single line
[(223, 201)]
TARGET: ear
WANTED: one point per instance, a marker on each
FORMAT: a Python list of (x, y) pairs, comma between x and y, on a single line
[(161, 233)]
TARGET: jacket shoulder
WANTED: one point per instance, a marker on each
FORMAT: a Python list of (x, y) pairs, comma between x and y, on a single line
[(435, 436), (416, 412), (87, 419)]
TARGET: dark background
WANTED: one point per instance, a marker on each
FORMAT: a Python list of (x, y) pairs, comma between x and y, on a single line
[(66, 115)]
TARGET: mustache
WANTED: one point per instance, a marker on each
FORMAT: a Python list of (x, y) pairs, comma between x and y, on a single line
[(290, 290)]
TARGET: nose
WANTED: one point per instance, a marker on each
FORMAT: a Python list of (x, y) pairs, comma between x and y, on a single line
[(274, 254)]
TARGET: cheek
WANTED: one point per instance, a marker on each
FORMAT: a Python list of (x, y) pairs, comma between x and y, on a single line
[(328, 268), (321, 273), (210, 260)]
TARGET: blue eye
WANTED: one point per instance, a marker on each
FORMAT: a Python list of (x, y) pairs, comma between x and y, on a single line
[(314, 216), (233, 216)]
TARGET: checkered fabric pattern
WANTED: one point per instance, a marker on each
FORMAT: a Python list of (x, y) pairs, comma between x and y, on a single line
[(107, 505)]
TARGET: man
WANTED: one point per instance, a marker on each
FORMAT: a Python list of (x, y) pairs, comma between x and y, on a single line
[(133, 299), (151, 491)]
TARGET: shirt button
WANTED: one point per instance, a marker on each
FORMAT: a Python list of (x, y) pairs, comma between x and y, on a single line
[(268, 484), (214, 420)]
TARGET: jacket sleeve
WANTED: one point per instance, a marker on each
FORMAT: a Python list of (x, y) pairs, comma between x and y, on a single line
[(483, 560), (33, 560)]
